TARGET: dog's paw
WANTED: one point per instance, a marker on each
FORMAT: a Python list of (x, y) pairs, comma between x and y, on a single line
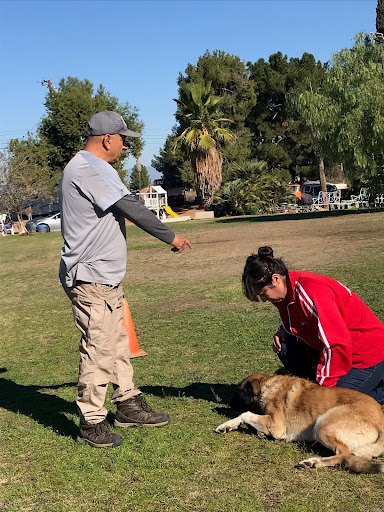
[(225, 427), (313, 462), (261, 435)]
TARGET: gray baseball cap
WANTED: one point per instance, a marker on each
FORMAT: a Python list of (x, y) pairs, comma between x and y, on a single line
[(109, 122)]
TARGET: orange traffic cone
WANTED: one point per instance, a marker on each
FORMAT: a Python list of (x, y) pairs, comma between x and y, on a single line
[(135, 350)]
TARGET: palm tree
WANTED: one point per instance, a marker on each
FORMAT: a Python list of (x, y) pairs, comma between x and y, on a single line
[(254, 189), (262, 187), (229, 199), (199, 110)]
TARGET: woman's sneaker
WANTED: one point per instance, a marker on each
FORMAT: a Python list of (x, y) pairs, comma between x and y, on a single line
[(135, 412)]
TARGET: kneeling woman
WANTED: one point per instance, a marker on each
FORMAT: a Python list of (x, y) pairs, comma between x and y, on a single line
[(327, 333)]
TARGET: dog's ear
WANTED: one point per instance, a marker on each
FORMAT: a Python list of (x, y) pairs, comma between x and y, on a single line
[(249, 388), (252, 387)]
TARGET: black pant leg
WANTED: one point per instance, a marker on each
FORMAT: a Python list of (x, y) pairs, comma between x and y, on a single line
[(299, 358)]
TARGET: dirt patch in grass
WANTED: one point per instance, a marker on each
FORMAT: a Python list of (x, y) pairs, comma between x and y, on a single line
[(188, 302), (221, 253)]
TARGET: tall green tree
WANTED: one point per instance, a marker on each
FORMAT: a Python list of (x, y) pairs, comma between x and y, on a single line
[(229, 80), (380, 19), (69, 107), (25, 174), (139, 177), (173, 163), (280, 136), (199, 110), (347, 112), (319, 116)]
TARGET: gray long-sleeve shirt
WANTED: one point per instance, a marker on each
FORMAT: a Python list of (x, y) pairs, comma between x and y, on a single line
[(130, 208), (93, 204)]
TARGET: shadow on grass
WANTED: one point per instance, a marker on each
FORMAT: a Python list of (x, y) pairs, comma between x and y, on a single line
[(48, 410), (220, 394), (294, 216)]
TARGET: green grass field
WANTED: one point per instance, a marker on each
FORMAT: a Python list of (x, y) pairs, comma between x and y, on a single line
[(202, 337)]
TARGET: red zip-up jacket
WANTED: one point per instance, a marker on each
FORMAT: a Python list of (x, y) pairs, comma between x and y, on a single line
[(334, 320)]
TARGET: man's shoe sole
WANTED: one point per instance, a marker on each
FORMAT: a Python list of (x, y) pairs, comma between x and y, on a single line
[(127, 425), (97, 445)]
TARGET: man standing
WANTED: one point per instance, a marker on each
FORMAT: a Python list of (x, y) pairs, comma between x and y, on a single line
[(94, 203)]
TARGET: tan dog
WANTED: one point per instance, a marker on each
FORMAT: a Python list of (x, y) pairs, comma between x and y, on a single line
[(346, 421)]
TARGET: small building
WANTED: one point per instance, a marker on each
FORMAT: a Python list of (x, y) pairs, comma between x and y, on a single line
[(154, 197), (175, 189)]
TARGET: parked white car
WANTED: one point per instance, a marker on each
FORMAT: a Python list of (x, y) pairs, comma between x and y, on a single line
[(44, 224)]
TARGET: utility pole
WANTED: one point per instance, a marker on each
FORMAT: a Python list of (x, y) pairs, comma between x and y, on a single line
[(138, 166), (48, 83)]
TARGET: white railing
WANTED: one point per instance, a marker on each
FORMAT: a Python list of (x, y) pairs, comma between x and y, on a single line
[(154, 203), (359, 201), (379, 201), (332, 199)]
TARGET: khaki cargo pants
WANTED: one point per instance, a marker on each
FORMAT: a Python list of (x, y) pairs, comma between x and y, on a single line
[(98, 312)]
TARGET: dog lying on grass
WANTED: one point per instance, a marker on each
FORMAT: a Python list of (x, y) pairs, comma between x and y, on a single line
[(346, 421)]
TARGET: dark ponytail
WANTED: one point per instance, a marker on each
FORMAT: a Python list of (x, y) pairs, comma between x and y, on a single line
[(258, 271)]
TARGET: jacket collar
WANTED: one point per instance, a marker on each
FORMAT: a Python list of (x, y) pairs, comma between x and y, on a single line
[(291, 288)]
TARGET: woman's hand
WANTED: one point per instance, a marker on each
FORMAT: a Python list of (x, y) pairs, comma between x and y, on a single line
[(280, 335)]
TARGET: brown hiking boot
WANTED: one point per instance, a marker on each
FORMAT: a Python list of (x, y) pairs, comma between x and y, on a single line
[(135, 412), (98, 435)]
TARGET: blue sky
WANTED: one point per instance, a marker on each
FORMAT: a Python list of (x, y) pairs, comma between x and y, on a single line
[(137, 49)]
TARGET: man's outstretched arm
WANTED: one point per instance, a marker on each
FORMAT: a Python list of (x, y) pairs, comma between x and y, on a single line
[(133, 210)]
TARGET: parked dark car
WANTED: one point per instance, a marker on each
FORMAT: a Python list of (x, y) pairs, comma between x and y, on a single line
[(310, 191), (44, 224)]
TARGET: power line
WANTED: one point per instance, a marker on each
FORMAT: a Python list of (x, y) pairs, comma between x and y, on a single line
[(145, 130), (14, 131)]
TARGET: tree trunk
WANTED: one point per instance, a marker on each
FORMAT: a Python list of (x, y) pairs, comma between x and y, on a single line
[(22, 229), (323, 182), (207, 167)]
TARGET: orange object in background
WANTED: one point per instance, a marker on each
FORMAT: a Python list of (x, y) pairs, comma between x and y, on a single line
[(296, 190), (134, 349)]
